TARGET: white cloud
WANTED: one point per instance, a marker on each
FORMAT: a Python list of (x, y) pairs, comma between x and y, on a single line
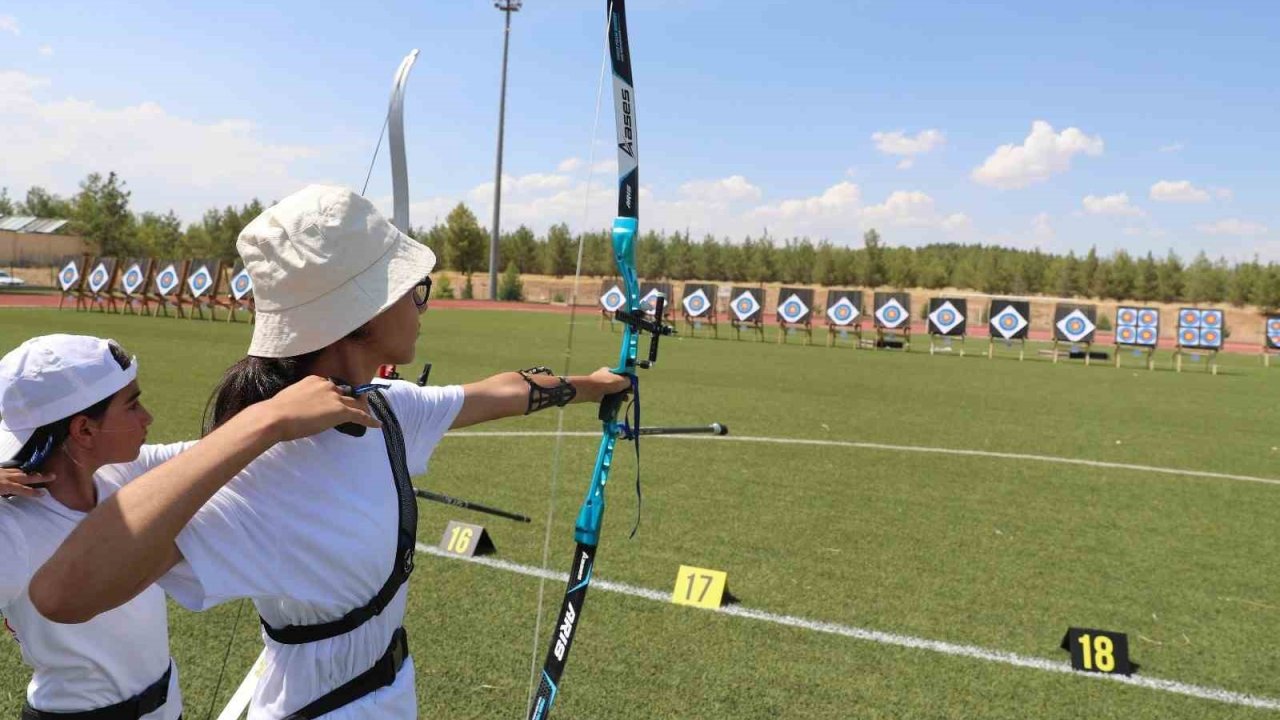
[(1222, 193), (1043, 154), (55, 144), (905, 208), (1179, 191), (734, 188), (9, 23), (1172, 147), (569, 165), (841, 199), (1234, 227), (897, 142), (1117, 204), (46, 51), (1042, 227)]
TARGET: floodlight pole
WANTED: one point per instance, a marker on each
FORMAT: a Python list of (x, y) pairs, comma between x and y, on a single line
[(507, 7)]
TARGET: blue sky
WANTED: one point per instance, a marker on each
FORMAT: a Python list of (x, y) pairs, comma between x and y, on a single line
[(1050, 125)]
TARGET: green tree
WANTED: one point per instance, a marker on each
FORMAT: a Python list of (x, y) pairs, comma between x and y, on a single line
[(824, 264), (7, 205), (510, 288), (101, 214), (873, 269), (1169, 279), (557, 253), (1266, 289), (710, 261), (1242, 281), (1203, 283), (520, 247), (467, 241), (1087, 278), (1147, 284), (158, 236), (900, 267), (1121, 277), (43, 204), (651, 256)]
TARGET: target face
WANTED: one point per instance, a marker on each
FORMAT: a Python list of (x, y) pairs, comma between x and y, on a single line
[(1211, 318), (1127, 335), (613, 299), (1148, 318), (649, 303), (842, 311), (241, 284), (167, 280), (1075, 327), (1189, 317), (1008, 323), (199, 281), (1189, 337), (946, 318), (69, 275), (891, 314), (1211, 338), (132, 279), (696, 303), (745, 306), (793, 309), (1126, 316), (1147, 336), (99, 277)]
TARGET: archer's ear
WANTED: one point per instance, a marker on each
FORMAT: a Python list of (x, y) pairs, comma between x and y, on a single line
[(82, 431)]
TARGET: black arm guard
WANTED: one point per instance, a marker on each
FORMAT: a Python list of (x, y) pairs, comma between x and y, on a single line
[(541, 398)]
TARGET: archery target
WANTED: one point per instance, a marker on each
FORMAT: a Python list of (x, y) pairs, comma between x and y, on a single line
[(69, 275), (1273, 332), (892, 314), (99, 277), (696, 303), (1076, 326), (1009, 323), (613, 299), (842, 312), (1199, 328), (745, 306), (241, 284), (945, 318), (793, 309), (199, 281), (649, 303), (167, 280), (1137, 326), (133, 279)]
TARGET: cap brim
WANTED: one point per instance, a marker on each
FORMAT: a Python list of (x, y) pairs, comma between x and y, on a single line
[(330, 317), (11, 441)]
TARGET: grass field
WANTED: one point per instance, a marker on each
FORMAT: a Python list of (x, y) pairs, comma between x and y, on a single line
[(984, 552)]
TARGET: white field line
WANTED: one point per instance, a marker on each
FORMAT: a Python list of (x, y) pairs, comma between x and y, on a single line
[(902, 448), (885, 638)]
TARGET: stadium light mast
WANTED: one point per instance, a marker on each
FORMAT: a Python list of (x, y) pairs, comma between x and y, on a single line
[(507, 7)]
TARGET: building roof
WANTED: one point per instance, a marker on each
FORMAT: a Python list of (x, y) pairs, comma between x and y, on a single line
[(29, 224)]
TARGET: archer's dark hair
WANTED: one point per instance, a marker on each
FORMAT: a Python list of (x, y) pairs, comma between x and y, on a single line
[(60, 429), (254, 379)]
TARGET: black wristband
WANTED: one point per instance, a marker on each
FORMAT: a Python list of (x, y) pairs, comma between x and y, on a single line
[(541, 398)]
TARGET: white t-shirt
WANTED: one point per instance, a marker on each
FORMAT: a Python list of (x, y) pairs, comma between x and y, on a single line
[(107, 660), (308, 532)]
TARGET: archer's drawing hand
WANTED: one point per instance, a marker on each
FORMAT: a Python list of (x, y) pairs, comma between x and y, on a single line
[(15, 482), (312, 405)]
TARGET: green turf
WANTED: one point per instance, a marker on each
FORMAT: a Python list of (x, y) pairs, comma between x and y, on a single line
[(1001, 554)]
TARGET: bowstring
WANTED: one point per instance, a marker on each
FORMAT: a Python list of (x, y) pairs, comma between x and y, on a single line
[(568, 355)]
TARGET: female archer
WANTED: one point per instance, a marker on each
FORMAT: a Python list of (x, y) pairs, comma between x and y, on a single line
[(318, 532)]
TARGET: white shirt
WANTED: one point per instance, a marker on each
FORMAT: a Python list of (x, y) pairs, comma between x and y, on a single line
[(107, 660), (308, 532)]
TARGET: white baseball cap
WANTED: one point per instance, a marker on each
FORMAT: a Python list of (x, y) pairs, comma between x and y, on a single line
[(324, 262), (52, 377)]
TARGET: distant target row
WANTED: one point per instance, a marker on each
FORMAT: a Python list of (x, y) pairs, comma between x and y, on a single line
[(141, 284), (1008, 319)]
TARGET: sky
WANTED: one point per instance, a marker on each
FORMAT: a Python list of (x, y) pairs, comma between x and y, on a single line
[(1060, 126)]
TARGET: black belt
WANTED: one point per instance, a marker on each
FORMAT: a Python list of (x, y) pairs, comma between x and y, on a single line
[(382, 674), (147, 701)]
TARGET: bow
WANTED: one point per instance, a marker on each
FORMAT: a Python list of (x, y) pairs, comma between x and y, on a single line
[(635, 324)]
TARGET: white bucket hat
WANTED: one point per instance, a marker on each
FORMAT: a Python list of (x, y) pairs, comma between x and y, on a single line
[(52, 377), (324, 262)]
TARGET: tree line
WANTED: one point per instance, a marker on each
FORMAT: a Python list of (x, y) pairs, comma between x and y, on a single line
[(100, 212)]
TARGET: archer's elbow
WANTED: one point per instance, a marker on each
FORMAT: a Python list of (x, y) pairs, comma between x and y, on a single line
[(57, 600)]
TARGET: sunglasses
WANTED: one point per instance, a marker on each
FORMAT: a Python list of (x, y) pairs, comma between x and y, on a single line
[(421, 292)]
